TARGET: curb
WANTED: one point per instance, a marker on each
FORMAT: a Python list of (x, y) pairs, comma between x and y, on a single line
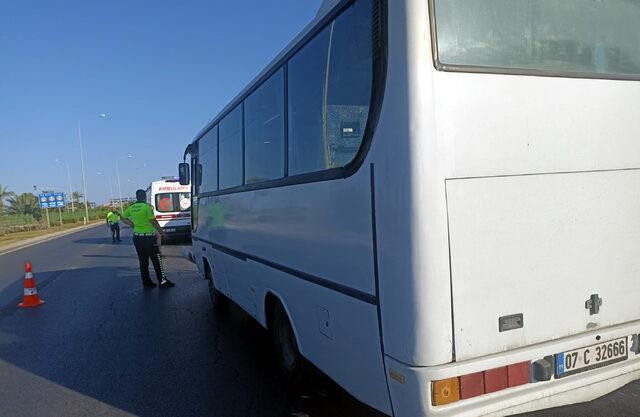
[(44, 238)]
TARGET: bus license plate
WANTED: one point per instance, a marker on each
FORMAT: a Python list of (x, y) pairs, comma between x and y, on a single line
[(591, 357)]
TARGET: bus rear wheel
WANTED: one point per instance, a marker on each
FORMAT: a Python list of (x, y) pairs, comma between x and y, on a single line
[(292, 364), (218, 299)]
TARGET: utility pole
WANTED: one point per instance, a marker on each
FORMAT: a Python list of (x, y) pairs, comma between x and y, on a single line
[(84, 182), (70, 196), (73, 208)]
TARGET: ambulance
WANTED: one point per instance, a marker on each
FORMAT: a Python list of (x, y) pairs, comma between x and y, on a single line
[(172, 207)]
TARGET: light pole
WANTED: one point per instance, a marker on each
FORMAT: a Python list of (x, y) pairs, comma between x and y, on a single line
[(84, 182), (73, 208), (118, 174)]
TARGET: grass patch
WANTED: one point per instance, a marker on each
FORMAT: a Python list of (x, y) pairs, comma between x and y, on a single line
[(19, 236)]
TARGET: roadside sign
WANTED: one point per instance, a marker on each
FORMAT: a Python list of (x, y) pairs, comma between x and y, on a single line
[(52, 200)]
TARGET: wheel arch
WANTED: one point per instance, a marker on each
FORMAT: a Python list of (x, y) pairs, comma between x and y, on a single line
[(270, 299), (207, 270)]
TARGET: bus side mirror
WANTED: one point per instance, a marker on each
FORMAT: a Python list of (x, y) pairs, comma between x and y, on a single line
[(183, 172)]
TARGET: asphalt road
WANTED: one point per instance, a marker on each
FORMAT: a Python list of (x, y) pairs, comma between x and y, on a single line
[(103, 346)]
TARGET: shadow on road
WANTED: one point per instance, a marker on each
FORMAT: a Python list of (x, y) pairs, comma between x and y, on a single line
[(111, 256), (150, 352)]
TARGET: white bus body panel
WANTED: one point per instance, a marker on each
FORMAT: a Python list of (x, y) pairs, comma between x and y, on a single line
[(411, 210), (440, 130), (540, 246), (323, 229), (553, 239), (439, 127)]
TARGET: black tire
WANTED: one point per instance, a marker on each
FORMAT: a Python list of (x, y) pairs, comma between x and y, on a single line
[(219, 301), (293, 365)]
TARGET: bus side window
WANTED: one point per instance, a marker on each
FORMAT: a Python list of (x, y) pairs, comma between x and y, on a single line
[(329, 88), (349, 84), (230, 142), (207, 179), (264, 131)]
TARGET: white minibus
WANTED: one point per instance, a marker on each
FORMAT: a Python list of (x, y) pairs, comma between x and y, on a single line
[(437, 203)]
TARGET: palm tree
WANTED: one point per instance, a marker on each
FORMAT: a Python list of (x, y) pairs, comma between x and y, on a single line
[(26, 203), (76, 196), (4, 194)]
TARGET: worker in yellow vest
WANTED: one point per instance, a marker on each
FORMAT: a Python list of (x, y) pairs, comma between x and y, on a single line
[(141, 218), (113, 221)]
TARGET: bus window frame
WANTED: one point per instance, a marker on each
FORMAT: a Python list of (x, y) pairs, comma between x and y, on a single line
[(527, 72), (379, 39)]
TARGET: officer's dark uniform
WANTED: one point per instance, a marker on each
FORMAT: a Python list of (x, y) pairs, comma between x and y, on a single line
[(144, 238)]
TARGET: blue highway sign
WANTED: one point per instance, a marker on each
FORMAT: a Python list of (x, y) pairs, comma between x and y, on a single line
[(52, 200)]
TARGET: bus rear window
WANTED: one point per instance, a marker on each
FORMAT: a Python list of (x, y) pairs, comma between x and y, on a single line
[(172, 202), (592, 37)]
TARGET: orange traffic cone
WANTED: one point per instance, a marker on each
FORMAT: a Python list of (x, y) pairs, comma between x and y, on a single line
[(30, 298)]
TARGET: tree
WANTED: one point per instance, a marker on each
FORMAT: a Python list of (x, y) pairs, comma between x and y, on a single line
[(26, 203), (4, 194), (76, 196)]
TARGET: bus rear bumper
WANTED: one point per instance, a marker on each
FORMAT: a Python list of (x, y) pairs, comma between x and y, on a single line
[(410, 387)]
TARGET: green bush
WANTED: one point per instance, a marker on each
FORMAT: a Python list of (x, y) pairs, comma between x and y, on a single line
[(16, 219), (14, 223)]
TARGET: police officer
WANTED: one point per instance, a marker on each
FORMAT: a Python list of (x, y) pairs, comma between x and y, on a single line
[(113, 221), (141, 218)]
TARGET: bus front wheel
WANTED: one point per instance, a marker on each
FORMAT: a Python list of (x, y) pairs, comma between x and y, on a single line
[(294, 367)]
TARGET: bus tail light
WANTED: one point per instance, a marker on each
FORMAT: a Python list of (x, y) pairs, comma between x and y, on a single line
[(471, 385), (495, 380), (446, 391), (518, 374), (451, 390)]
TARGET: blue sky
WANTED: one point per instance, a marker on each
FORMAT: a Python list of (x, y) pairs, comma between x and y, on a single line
[(159, 70)]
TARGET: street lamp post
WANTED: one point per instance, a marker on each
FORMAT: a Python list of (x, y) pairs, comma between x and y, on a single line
[(73, 208), (118, 175), (84, 182)]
